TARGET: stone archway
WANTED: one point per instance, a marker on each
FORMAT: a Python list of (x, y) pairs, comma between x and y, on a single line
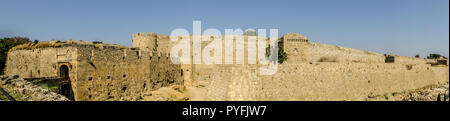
[(66, 86)]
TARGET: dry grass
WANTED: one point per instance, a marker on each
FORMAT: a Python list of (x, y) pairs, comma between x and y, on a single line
[(57, 44), (22, 46), (98, 46), (42, 45), (122, 47), (30, 45)]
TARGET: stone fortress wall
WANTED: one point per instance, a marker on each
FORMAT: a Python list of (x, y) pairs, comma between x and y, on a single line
[(313, 71), (197, 72), (124, 74), (42, 62), (148, 41), (317, 71), (304, 51), (234, 82), (98, 71), (321, 81)]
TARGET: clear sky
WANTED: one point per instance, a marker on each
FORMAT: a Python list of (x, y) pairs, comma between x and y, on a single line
[(403, 27)]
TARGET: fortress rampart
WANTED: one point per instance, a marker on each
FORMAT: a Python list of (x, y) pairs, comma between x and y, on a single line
[(98, 71), (321, 81), (313, 71)]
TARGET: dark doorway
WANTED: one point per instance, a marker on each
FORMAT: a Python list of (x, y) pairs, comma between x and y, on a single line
[(65, 87), (64, 72)]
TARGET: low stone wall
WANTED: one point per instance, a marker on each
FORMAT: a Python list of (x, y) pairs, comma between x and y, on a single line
[(22, 90)]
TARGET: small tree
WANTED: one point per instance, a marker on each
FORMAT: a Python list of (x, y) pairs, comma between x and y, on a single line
[(282, 56), (417, 56), (434, 56)]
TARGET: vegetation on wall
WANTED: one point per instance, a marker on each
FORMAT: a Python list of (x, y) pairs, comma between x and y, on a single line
[(434, 56), (6, 44), (282, 56)]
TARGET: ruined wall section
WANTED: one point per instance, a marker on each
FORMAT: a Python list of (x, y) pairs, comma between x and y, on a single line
[(123, 74), (22, 90)]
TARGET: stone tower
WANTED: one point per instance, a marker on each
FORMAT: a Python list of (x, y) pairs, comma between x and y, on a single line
[(148, 41), (294, 45)]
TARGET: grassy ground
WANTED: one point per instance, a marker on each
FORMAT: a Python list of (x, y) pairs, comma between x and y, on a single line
[(50, 85)]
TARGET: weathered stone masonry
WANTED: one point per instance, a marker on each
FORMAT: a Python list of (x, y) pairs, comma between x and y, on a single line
[(313, 71), (98, 71)]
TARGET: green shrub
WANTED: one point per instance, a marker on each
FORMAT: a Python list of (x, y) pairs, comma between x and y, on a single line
[(282, 56)]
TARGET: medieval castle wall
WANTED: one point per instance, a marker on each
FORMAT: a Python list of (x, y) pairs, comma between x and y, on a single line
[(300, 50), (99, 71), (313, 71), (321, 81), (43, 62), (315, 52), (124, 74), (200, 72)]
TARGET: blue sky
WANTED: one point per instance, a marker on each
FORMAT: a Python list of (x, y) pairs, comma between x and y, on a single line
[(403, 27)]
